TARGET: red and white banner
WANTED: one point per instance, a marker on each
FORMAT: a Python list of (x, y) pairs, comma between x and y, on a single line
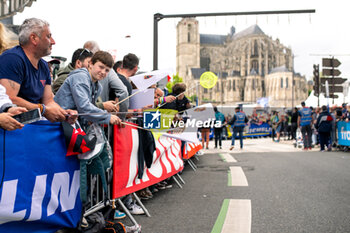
[(167, 161), (191, 149)]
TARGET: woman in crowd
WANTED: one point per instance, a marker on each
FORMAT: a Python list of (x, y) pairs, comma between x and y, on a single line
[(7, 39)]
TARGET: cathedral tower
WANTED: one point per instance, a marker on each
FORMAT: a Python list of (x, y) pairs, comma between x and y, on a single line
[(187, 47)]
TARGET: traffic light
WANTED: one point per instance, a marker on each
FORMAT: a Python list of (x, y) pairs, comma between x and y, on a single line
[(316, 80)]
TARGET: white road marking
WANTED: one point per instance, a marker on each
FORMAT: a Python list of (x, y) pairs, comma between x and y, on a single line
[(229, 158), (261, 145), (237, 177), (239, 217)]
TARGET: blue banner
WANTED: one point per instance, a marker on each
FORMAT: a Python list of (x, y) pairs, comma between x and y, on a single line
[(40, 185), (256, 130), (343, 133)]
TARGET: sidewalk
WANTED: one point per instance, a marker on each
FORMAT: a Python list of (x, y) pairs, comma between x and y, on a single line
[(258, 145)]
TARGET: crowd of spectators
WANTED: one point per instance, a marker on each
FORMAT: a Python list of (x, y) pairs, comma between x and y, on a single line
[(91, 89), (97, 88)]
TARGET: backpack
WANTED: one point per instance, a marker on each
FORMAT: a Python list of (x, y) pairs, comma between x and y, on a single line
[(112, 227), (95, 162), (95, 223)]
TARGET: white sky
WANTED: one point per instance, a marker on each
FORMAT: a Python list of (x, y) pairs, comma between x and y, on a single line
[(72, 22)]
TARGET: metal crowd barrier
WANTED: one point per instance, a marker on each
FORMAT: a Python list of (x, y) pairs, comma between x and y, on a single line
[(99, 199)]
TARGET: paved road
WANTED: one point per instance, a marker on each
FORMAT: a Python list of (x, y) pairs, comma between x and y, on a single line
[(286, 190)]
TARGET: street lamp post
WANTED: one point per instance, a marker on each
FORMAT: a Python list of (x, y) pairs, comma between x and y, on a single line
[(157, 17), (292, 89), (293, 80)]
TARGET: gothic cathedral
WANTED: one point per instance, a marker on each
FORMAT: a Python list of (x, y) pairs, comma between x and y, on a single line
[(249, 64)]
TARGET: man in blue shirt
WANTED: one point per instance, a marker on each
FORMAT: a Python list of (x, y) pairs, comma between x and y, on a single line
[(26, 76), (305, 120), (238, 121)]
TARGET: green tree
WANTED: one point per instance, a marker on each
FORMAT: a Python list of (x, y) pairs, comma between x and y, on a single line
[(176, 79), (193, 98)]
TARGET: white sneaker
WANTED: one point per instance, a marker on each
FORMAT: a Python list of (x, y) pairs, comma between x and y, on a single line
[(133, 229), (135, 209), (200, 152)]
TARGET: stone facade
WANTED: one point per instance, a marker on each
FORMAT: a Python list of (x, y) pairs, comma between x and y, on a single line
[(249, 65)]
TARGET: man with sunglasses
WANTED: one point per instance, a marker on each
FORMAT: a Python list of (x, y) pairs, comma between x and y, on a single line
[(130, 66), (26, 76), (80, 59)]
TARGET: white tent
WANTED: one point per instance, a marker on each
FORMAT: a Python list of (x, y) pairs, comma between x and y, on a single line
[(312, 100)]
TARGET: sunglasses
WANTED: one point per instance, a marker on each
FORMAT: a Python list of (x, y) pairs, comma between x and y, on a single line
[(82, 52)]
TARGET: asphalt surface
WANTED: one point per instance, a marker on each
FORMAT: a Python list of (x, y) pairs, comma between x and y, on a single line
[(290, 191)]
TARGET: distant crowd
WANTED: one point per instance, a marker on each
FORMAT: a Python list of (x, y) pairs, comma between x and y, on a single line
[(307, 126)]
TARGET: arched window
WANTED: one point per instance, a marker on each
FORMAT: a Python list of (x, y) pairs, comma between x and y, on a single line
[(255, 49), (189, 33), (281, 82), (255, 66)]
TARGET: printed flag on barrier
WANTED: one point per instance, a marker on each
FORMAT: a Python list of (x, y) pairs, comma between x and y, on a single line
[(40, 189), (191, 149), (166, 161)]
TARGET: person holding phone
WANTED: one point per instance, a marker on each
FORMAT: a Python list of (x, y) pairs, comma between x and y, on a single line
[(26, 76), (7, 110)]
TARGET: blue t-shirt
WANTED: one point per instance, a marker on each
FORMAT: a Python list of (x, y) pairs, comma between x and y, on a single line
[(15, 65), (305, 116)]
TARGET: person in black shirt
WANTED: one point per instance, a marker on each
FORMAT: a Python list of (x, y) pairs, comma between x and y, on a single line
[(294, 122), (130, 66), (181, 103)]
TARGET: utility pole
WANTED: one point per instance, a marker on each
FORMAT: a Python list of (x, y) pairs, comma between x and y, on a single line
[(293, 56), (157, 17)]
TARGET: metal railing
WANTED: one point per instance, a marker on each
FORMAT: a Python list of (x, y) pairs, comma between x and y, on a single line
[(98, 199)]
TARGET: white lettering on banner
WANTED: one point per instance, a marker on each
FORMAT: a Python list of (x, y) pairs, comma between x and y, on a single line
[(60, 184), (173, 158), (190, 147), (257, 130), (155, 169), (176, 150), (7, 203), (37, 198), (345, 135), (166, 144), (192, 123), (133, 157), (179, 158), (144, 175)]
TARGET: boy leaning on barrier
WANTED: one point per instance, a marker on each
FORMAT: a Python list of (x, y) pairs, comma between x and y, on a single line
[(81, 89)]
